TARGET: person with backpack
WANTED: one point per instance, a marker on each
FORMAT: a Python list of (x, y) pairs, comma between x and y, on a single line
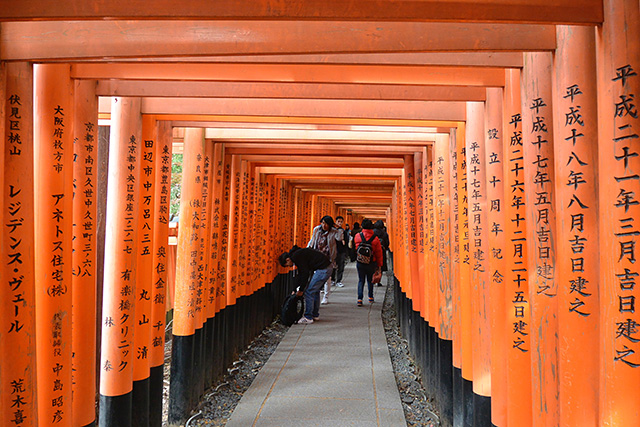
[(368, 258), (309, 262)]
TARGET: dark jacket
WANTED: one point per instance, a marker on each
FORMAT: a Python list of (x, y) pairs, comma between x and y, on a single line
[(307, 261), (342, 248), (377, 247), (383, 236)]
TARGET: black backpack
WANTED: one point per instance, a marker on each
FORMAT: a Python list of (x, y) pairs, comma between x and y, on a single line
[(364, 253), (292, 309)]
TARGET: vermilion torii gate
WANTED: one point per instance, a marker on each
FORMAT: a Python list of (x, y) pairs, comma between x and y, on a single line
[(499, 142)]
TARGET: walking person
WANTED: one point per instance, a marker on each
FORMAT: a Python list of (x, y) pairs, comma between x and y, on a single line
[(324, 239), (352, 246), (308, 261), (342, 248), (381, 232), (367, 242)]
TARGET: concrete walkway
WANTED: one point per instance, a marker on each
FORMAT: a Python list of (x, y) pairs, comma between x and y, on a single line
[(334, 372)]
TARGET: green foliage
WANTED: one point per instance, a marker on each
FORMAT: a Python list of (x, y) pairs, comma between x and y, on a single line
[(176, 183)]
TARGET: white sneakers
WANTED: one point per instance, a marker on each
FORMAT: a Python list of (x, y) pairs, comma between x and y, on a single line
[(340, 285), (305, 321), (324, 300)]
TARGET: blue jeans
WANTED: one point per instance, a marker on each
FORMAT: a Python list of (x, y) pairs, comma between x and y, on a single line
[(312, 292), (365, 271)]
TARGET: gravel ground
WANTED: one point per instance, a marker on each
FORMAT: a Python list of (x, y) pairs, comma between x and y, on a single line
[(220, 400)]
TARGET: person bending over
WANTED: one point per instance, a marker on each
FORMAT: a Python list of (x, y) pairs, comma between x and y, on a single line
[(309, 262)]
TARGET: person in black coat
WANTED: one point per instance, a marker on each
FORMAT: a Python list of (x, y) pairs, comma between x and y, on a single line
[(309, 262), (352, 248), (381, 231)]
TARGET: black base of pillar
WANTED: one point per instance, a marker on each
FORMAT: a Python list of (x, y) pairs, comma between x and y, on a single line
[(445, 385), (458, 398), (180, 393), (197, 385), (140, 401), (115, 410), (481, 411), (468, 403), (208, 353), (156, 385)]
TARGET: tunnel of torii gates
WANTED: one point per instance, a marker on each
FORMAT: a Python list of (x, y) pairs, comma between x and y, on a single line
[(499, 143)]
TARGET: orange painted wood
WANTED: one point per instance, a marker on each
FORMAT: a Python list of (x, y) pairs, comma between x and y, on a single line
[(233, 211), (215, 279), (224, 231), (454, 237), (415, 283), (243, 229), (431, 258), (119, 299), (418, 171), (575, 101), (208, 194), (494, 162), (188, 310), (309, 108), (308, 73), (540, 208), (353, 10), (288, 90), (470, 58), (272, 254), (187, 38), (263, 244), (618, 186), (443, 228), (144, 251), (161, 250), (479, 248), (53, 163), (18, 373), (84, 280), (516, 273), (466, 347)]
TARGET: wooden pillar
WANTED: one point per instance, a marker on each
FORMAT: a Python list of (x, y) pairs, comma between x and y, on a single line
[(443, 224), (479, 244), (233, 226), (412, 232), (118, 308), (420, 218), (454, 239), (575, 126), (223, 290), (185, 316), (494, 163), (163, 150), (143, 273), (84, 281), (537, 140), (619, 190), (215, 230), (465, 258), (427, 205), (516, 273), (432, 241), (443, 229), (53, 127), (18, 344)]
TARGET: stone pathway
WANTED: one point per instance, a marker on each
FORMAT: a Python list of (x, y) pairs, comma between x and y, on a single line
[(334, 372)]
